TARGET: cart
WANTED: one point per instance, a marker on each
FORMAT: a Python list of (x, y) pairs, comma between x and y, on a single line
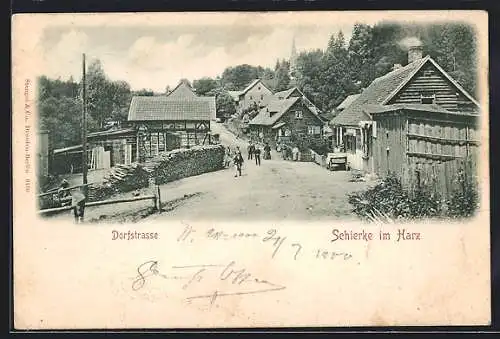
[(335, 161)]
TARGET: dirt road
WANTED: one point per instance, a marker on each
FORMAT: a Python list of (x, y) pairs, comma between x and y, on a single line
[(276, 190)]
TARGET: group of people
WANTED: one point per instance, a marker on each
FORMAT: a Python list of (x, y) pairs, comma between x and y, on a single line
[(253, 151), (287, 152)]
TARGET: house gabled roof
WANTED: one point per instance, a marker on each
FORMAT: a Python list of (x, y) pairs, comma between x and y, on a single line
[(252, 85), (182, 90), (286, 93), (145, 108), (383, 89), (347, 101), (278, 107)]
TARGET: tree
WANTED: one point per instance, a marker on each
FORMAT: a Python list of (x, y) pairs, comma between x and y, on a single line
[(121, 97), (225, 104), (144, 92), (236, 78), (360, 54), (336, 80), (204, 85), (282, 72), (99, 93), (309, 68)]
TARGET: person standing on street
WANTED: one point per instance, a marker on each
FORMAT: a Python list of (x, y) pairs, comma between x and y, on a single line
[(238, 163), (257, 155), (228, 157), (295, 152), (251, 150), (267, 151)]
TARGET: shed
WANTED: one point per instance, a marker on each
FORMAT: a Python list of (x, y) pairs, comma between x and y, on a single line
[(424, 143)]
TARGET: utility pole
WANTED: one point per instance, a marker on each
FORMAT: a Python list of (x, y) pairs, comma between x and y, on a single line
[(84, 128)]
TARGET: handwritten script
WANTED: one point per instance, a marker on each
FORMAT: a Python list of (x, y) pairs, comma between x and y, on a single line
[(238, 280), (213, 281)]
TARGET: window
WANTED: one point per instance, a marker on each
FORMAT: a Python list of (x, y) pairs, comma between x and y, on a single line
[(313, 130), (251, 98), (298, 115), (161, 143), (262, 97), (154, 144), (427, 98), (258, 88)]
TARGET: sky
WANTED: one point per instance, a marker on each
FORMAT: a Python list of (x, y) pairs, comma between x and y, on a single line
[(154, 57)]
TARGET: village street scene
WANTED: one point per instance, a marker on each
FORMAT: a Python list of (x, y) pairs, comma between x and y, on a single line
[(373, 122)]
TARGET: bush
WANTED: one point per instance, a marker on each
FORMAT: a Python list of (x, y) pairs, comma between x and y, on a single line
[(390, 200), (317, 144), (464, 201)]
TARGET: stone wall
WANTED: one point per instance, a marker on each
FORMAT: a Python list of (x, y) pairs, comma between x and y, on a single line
[(164, 168)]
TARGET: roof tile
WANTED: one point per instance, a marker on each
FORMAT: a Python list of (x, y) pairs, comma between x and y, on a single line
[(167, 108)]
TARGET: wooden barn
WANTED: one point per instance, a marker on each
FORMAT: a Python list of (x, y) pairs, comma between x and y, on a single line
[(424, 144), (378, 130), (282, 118)]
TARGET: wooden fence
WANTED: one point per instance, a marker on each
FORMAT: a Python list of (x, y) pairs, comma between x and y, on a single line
[(318, 159), (439, 177), (155, 198)]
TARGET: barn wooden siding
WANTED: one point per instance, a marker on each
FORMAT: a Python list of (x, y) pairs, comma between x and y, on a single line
[(426, 149), (430, 81)]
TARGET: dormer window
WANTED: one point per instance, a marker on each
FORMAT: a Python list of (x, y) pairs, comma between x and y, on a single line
[(427, 98), (298, 115)]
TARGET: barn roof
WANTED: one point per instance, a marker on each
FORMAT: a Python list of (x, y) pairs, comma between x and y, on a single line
[(111, 133), (144, 108), (286, 93), (182, 90), (347, 101), (384, 88), (278, 107), (377, 109)]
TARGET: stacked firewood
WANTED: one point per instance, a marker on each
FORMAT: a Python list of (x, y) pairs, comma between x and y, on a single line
[(166, 167), (121, 178)]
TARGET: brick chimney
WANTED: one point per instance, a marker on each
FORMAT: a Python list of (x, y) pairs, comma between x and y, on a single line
[(415, 53), (396, 67)]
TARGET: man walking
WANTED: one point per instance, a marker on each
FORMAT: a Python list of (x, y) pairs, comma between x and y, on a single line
[(251, 150), (257, 155), (238, 162)]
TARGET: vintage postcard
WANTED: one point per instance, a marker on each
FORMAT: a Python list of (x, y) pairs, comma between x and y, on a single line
[(201, 170)]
